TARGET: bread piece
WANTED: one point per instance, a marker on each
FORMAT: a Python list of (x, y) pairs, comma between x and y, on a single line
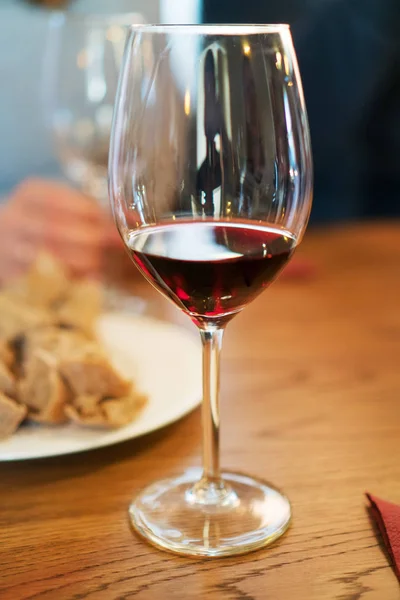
[(6, 354), (7, 381), (122, 411), (42, 286), (46, 282), (91, 420), (54, 340), (89, 372), (108, 413), (81, 308), (17, 317), (87, 405), (11, 415), (42, 389)]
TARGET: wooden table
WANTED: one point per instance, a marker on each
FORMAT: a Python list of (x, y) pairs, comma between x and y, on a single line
[(311, 401)]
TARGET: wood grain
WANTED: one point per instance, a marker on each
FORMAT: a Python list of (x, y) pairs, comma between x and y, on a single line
[(311, 401)]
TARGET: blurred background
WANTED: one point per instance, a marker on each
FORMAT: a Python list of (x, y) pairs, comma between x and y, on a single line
[(55, 108)]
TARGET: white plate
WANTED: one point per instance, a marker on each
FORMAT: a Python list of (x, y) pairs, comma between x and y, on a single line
[(165, 362)]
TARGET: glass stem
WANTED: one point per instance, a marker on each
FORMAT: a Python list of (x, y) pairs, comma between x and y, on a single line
[(211, 490), (212, 343)]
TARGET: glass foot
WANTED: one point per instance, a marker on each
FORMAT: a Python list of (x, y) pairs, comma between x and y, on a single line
[(234, 516)]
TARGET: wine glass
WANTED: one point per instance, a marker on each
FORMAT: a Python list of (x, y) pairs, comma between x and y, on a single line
[(81, 66), (211, 187), (82, 62)]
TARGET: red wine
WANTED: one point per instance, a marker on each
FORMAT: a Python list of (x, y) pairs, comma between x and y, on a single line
[(211, 269)]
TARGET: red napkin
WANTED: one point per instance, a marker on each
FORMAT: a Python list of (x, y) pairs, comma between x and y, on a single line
[(387, 517)]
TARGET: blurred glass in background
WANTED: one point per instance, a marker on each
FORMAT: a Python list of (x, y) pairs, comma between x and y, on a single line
[(81, 66)]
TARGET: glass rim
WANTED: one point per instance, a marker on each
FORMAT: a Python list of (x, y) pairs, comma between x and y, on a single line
[(211, 29)]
